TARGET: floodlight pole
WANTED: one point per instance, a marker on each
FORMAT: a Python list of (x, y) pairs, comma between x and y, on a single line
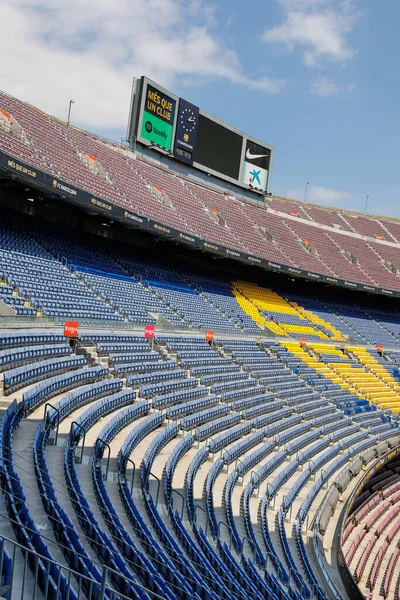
[(71, 102), (306, 190), (366, 204)]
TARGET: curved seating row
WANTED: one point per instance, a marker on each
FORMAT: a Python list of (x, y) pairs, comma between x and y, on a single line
[(121, 574), (249, 571), (41, 561), (48, 388), (138, 367), (194, 406), (155, 377), (14, 357), (168, 543), (29, 338), (224, 564), (133, 357), (19, 377), (73, 550), (156, 569)]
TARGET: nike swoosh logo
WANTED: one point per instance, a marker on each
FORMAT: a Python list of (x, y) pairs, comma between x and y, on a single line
[(251, 156)]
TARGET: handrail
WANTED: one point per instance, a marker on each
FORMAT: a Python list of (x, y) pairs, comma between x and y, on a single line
[(269, 496), (311, 463), (197, 506), (104, 443), (229, 528), (58, 418), (289, 506), (324, 472), (158, 485), (252, 547), (128, 459), (98, 590), (276, 564), (238, 460), (303, 517), (174, 491), (255, 483), (79, 426)]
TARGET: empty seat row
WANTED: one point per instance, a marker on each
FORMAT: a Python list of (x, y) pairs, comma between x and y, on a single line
[(22, 376)]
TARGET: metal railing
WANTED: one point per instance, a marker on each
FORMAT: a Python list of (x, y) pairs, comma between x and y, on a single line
[(24, 580)]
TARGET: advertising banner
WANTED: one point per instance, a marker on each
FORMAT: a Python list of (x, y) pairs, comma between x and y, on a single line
[(256, 166), (255, 176), (158, 118), (71, 329), (149, 331), (156, 131)]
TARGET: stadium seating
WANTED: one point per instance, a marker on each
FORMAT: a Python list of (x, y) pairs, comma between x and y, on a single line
[(185, 467), (138, 416), (370, 537), (19, 356), (57, 275), (22, 376)]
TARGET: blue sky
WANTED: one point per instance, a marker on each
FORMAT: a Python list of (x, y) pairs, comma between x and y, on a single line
[(317, 79)]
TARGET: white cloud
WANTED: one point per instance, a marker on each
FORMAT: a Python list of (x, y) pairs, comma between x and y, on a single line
[(323, 195), (318, 27), (302, 4), (90, 51), (324, 87)]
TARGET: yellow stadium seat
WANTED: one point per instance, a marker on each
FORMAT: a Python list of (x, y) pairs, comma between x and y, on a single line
[(254, 300)]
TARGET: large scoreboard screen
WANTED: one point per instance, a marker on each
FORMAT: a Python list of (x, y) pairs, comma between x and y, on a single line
[(161, 120), (218, 148)]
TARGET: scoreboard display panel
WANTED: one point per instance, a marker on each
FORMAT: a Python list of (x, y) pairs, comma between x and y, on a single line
[(218, 148), (171, 125), (158, 118), (153, 115)]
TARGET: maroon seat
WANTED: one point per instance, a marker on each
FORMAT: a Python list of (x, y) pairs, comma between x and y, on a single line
[(358, 573), (387, 580), (279, 230), (377, 565)]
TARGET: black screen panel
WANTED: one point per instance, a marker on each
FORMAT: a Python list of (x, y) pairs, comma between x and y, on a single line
[(218, 148)]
